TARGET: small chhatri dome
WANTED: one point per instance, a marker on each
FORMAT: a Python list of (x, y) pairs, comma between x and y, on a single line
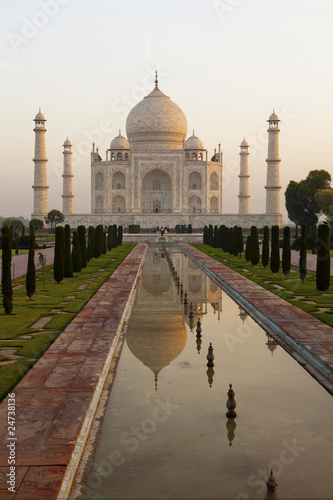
[(40, 117), (194, 142), (244, 144), (274, 117), (119, 142), (67, 142)]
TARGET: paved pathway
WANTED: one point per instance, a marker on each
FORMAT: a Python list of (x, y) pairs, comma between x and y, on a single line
[(306, 338), (21, 261), (311, 261), (56, 400)]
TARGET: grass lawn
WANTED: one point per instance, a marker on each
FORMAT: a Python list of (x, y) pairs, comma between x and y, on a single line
[(21, 345), (303, 295)]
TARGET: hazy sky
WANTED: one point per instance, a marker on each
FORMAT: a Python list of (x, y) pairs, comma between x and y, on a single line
[(226, 63)]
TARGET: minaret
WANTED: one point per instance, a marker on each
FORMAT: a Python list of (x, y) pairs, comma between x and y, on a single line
[(67, 201), (40, 186), (244, 196), (273, 167)]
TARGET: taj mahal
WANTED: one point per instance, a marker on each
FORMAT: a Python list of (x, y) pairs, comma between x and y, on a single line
[(157, 175)]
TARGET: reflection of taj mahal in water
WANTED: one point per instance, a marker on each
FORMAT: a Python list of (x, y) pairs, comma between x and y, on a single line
[(156, 338), (157, 176)]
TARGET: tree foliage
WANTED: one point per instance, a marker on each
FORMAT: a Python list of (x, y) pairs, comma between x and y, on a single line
[(323, 258), (254, 249), (76, 253), (81, 231), (6, 262), (275, 249), (36, 223), (120, 235), (265, 248), (59, 255), (324, 200), (303, 254), (54, 217), (286, 252), (301, 203), (30, 281), (68, 269)]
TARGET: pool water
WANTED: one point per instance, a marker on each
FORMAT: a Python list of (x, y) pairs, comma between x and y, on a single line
[(165, 432)]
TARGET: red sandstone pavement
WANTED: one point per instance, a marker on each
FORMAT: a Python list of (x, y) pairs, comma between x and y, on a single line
[(21, 261), (53, 398), (302, 334)]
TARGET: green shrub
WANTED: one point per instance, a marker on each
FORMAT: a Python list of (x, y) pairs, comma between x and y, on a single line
[(99, 234), (120, 235), (248, 249)]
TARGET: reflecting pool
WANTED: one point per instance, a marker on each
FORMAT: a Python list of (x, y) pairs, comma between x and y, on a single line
[(165, 432)]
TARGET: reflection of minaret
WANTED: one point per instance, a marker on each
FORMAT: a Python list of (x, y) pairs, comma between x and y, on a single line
[(271, 344), (231, 427), (40, 186), (244, 196), (273, 167), (242, 314), (67, 202)]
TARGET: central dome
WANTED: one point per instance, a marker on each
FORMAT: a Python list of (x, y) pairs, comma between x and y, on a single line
[(156, 123)]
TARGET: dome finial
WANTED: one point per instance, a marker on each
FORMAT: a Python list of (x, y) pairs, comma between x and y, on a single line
[(156, 80), (120, 131)]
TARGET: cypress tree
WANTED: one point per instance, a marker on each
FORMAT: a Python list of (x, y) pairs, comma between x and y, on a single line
[(240, 242), (109, 238), (91, 243), (105, 247), (313, 234), (231, 241), (23, 230), (323, 258), (248, 249), (68, 269), (275, 250), (236, 241), (255, 256), (6, 262), (219, 243), (223, 236), (81, 231), (99, 231), (265, 247), (30, 281), (205, 235), (115, 235), (302, 263), (210, 235), (286, 253), (59, 254), (120, 235), (215, 237), (76, 253)]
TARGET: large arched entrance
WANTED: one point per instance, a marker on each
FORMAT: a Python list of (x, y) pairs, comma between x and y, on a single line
[(157, 192)]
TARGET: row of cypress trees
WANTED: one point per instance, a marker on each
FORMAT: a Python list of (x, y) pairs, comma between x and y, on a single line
[(71, 257), (231, 240)]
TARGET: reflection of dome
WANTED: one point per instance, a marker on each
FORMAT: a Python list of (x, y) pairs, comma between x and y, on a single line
[(156, 341), (194, 142), (271, 344), (119, 142), (242, 314), (157, 119)]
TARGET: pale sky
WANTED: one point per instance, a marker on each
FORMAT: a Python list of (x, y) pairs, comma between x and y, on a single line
[(226, 63)]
